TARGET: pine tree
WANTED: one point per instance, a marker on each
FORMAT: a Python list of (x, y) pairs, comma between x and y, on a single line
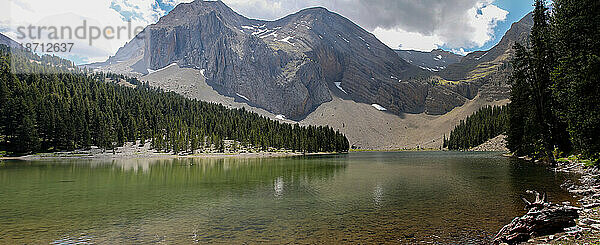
[(68, 110), (487, 123), (534, 128), (576, 39), (520, 123), (26, 138)]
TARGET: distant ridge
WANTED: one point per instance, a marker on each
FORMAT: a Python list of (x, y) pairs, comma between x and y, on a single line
[(434, 61), (8, 41)]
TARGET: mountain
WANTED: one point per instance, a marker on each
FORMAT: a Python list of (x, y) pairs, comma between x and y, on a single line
[(483, 73), (501, 53), (480, 72), (434, 61), (289, 66), (8, 41), (316, 68), (293, 65)]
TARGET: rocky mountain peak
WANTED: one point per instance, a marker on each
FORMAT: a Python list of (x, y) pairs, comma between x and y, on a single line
[(292, 65), (183, 13)]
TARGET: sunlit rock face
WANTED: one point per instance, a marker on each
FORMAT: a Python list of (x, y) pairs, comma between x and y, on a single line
[(292, 65), (288, 66)]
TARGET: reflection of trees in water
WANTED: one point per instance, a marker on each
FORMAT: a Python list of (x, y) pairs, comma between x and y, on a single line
[(526, 175), (130, 190), (238, 172)]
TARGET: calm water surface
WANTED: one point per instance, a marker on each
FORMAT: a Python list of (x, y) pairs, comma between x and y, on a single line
[(406, 197)]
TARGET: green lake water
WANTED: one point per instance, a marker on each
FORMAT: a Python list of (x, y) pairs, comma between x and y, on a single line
[(403, 197)]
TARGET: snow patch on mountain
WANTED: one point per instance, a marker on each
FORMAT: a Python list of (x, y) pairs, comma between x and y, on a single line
[(287, 40), (378, 107), (339, 86), (241, 96)]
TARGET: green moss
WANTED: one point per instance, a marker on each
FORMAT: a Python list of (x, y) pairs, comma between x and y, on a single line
[(481, 71), (447, 82)]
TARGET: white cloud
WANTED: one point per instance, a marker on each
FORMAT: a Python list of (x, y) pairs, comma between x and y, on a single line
[(474, 29), (460, 51), (484, 22), (72, 13), (175, 2), (142, 10)]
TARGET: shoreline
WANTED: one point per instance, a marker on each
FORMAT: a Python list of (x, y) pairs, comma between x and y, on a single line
[(110, 156), (84, 154), (587, 191), (137, 150)]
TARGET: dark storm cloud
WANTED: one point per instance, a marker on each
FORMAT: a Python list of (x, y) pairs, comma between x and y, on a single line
[(452, 20), (422, 16)]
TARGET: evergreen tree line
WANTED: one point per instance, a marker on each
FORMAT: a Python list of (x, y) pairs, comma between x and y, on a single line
[(478, 128), (56, 108), (555, 94)]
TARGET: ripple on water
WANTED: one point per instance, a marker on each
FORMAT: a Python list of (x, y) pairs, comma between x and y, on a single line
[(357, 198)]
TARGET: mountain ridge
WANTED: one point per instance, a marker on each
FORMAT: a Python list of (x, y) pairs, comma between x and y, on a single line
[(433, 61), (8, 41), (519, 32), (294, 61), (292, 65)]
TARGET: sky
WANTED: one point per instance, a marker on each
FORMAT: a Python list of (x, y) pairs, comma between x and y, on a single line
[(460, 26)]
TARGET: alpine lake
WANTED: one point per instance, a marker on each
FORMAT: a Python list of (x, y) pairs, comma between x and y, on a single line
[(362, 197)]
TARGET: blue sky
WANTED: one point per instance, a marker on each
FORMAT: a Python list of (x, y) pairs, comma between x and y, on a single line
[(517, 9)]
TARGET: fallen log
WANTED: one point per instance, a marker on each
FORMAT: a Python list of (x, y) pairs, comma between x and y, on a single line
[(542, 218)]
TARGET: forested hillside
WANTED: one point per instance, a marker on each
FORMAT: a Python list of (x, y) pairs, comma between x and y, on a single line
[(53, 106), (483, 125), (556, 83), (555, 86)]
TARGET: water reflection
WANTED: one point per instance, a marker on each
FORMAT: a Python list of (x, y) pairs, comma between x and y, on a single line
[(404, 197), (69, 197), (378, 195), (278, 187)]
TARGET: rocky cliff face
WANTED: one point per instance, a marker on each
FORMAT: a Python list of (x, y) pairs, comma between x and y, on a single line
[(433, 61), (289, 66)]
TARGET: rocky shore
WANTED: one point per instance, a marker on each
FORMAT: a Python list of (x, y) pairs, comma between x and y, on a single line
[(144, 151), (587, 189)]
